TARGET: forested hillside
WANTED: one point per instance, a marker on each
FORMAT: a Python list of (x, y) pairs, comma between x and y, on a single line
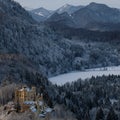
[(97, 98), (50, 50)]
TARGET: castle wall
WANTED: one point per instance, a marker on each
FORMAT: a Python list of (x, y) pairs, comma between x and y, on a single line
[(23, 95)]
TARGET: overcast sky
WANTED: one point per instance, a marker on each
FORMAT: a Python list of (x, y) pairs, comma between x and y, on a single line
[(54, 4)]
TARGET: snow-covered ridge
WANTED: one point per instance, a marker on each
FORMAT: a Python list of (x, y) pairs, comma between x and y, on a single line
[(75, 75)]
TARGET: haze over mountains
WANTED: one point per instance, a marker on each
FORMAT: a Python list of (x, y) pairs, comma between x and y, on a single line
[(93, 16), (42, 12), (96, 16), (68, 8)]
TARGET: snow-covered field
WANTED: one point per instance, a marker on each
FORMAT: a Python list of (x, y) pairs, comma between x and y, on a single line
[(73, 76)]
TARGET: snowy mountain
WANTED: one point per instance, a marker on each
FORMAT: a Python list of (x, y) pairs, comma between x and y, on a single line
[(68, 8), (40, 14), (63, 15), (93, 17), (63, 18)]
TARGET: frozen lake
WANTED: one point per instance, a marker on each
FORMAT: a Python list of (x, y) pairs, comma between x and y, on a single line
[(75, 75)]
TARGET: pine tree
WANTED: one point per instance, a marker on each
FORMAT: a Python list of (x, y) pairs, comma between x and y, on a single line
[(100, 114), (87, 116), (111, 115)]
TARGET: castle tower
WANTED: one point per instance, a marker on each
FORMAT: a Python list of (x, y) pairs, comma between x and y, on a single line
[(34, 92), (16, 95), (41, 97), (34, 89)]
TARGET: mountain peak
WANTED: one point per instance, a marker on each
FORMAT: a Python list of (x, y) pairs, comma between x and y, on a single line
[(64, 8), (96, 5), (68, 8), (67, 5), (40, 9), (41, 12)]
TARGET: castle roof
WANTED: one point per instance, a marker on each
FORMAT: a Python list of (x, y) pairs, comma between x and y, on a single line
[(27, 89)]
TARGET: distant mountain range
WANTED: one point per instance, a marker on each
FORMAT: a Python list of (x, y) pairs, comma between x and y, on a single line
[(93, 16), (96, 17), (42, 14), (68, 8)]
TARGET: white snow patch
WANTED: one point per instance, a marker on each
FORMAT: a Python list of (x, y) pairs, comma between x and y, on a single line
[(40, 103), (41, 14), (41, 115), (48, 110), (33, 109), (73, 76), (113, 101)]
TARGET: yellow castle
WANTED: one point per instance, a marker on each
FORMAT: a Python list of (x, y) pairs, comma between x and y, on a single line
[(26, 97), (25, 94)]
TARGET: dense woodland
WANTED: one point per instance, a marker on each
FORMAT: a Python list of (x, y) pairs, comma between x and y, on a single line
[(97, 98), (84, 34), (92, 99)]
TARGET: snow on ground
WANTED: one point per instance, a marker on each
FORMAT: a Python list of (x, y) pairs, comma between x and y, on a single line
[(73, 76)]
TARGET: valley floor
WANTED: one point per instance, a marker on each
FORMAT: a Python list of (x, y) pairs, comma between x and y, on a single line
[(75, 75)]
